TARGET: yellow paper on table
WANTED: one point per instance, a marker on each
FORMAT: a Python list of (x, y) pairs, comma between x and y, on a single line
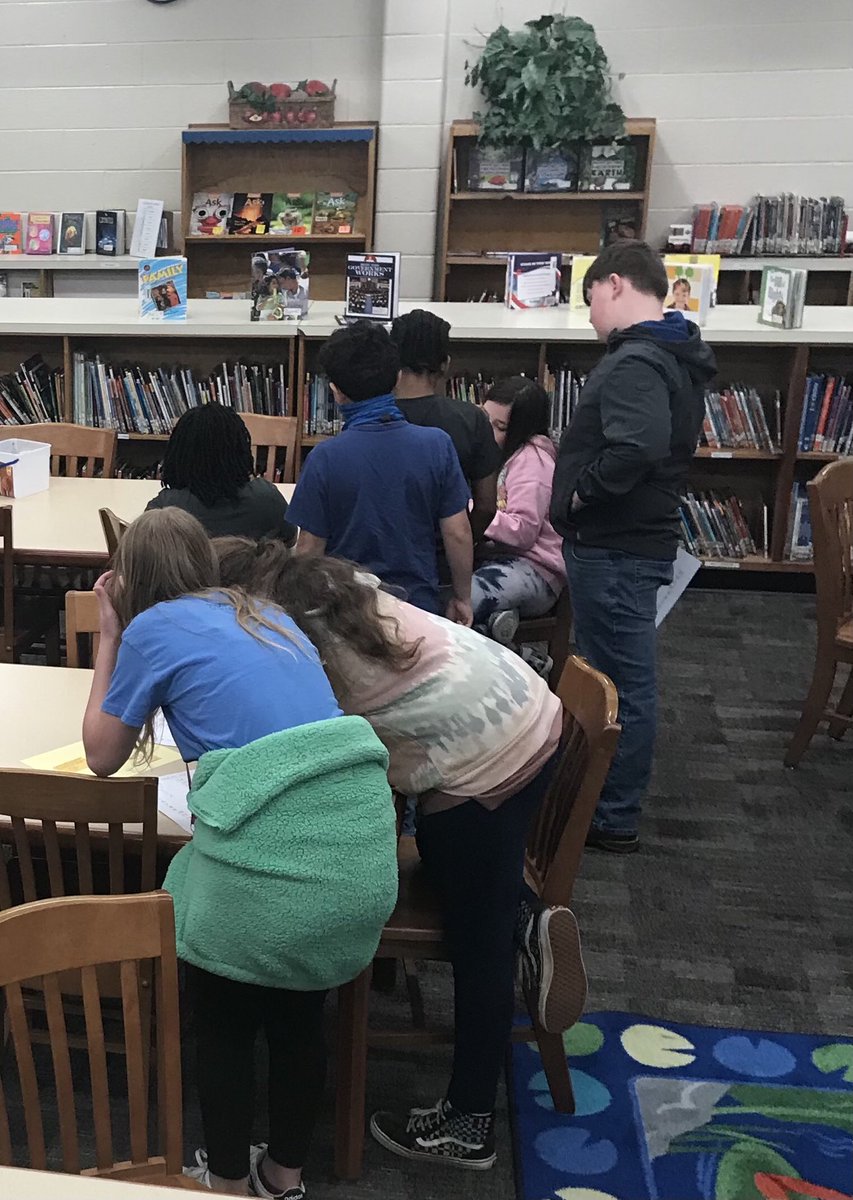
[(71, 760)]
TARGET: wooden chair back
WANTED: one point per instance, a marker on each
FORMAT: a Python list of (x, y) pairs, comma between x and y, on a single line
[(113, 528), (273, 446), (7, 630), (82, 623), (83, 933), (831, 512), (76, 450), (47, 813), (590, 736)]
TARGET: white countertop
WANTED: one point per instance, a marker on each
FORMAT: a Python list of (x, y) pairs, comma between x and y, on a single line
[(117, 317)]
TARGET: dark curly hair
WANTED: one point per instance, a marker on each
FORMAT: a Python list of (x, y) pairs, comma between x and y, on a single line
[(209, 453)]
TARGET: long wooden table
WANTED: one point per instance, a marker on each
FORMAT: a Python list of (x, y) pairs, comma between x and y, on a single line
[(42, 709), (61, 526)]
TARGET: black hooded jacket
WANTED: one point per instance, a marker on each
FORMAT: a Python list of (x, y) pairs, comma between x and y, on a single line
[(626, 453)]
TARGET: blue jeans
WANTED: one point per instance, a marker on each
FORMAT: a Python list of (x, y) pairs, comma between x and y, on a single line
[(613, 597)]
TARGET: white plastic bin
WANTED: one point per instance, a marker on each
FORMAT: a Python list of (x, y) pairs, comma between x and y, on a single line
[(24, 467)]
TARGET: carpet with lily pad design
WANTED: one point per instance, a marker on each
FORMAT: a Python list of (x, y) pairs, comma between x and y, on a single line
[(682, 1112)]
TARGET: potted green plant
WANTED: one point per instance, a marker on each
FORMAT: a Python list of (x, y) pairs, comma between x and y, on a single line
[(547, 86)]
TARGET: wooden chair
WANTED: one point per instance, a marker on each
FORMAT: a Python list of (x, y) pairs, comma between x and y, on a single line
[(831, 512), (555, 629), (28, 619), (82, 934), (414, 931), (82, 624), (268, 436), (113, 528), (77, 449)]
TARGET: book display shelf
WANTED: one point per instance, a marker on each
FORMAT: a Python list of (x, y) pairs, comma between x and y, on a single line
[(474, 227), (216, 158), (488, 341), (830, 280)]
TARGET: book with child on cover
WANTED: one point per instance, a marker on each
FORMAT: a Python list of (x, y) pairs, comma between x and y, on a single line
[(279, 284), (163, 289), (690, 288)]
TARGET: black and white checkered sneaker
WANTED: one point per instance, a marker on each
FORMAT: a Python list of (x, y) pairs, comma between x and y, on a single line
[(440, 1134), (551, 963)]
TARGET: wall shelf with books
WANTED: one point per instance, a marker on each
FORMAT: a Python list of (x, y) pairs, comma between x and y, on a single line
[(311, 189), (575, 201)]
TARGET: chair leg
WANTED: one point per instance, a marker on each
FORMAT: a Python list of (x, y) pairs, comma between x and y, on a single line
[(353, 1003), (844, 709), (556, 1068), (51, 644), (416, 998), (813, 708)]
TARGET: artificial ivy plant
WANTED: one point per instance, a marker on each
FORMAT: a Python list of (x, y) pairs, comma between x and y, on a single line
[(547, 85)]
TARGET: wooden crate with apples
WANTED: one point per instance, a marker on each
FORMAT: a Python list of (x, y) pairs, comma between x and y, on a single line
[(309, 105)]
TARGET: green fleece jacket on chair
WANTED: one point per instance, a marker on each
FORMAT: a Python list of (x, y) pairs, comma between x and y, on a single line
[(292, 870)]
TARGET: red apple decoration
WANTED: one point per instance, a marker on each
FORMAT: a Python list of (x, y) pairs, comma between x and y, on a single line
[(316, 87), (281, 91)]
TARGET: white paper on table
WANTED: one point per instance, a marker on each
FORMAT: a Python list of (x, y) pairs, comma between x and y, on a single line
[(172, 791), (684, 568), (162, 732), (146, 229)]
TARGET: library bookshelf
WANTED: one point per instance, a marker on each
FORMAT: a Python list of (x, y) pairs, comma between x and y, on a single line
[(474, 227), (340, 159), (487, 339)]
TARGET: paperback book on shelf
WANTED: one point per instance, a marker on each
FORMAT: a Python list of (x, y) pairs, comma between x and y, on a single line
[(608, 167), (580, 265), (372, 287), (701, 260), (11, 233), (798, 542), (564, 386), (31, 394), (550, 171), (334, 212), (110, 231), (714, 525), (250, 214), (495, 170), (690, 288), (471, 388), (322, 415), (533, 280), (292, 213), (783, 295), (735, 418), (163, 289), (826, 423), (39, 233), (72, 233), (279, 284), (210, 213)]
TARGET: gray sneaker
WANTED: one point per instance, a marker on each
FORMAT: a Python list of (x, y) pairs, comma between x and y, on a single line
[(552, 970), (502, 626)]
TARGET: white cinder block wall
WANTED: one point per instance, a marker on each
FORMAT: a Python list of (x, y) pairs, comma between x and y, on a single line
[(94, 93)]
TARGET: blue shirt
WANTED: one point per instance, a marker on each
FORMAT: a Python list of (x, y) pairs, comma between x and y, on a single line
[(377, 494), (219, 687)]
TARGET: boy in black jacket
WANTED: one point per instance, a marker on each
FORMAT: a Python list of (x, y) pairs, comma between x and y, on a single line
[(622, 466)]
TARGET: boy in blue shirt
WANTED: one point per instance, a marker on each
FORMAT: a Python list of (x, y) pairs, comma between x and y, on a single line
[(382, 490)]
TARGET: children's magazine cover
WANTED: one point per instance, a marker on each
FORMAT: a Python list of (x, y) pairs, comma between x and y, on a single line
[(11, 233), (334, 212), (163, 289), (533, 280), (279, 285), (690, 290), (608, 168), (550, 171), (373, 287), (495, 170), (251, 213), (692, 260), (72, 233), (39, 233), (292, 213), (210, 213), (580, 265)]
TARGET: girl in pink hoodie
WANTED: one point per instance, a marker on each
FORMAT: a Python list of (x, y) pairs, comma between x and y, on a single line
[(527, 573)]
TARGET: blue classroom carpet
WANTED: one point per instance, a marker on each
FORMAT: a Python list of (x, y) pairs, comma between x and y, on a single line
[(681, 1112)]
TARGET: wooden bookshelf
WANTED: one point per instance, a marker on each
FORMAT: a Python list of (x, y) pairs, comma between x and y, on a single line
[(340, 159), (473, 223), (830, 280)]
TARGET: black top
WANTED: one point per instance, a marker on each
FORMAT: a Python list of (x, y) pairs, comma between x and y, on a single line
[(628, 449), (259, 511), (468, 427)]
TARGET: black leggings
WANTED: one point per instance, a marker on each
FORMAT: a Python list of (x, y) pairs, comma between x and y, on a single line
[(475, 859), (228, 1016)]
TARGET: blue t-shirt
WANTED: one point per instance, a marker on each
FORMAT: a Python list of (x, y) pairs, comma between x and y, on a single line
[(376, 494), (219, 687)]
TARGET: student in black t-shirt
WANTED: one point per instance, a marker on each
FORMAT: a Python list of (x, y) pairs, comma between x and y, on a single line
[(423, 342), (208, 471)]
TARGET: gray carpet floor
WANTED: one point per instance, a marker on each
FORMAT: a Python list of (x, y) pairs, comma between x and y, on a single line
[(736, 912)]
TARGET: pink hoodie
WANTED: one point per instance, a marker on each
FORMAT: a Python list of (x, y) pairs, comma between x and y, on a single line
[(524, 497)]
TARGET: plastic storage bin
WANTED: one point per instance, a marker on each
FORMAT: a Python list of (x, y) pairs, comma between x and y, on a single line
[(24, 467)]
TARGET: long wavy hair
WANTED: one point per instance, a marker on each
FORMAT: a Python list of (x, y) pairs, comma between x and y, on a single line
[(166, 554), (326, 598)]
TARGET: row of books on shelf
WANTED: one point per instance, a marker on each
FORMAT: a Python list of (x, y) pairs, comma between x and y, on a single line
[(322, 415), (783, 224), (714, 525), (736, 418), (133, 399), (609, 167), (827, 421), (32, 393), (295, 214), (72, 233)]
